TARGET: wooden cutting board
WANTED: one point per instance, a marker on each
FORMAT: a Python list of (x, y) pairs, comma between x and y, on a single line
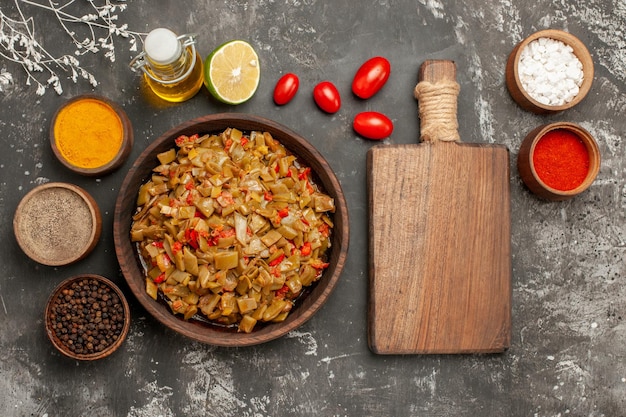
[(439, 248)]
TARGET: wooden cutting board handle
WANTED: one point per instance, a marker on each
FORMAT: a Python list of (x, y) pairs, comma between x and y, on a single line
[(437, 92)]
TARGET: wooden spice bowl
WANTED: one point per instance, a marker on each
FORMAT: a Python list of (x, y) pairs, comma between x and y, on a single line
[(57, 224), (528, 171), (84, 120), (66, 326), (515, 86), (132, 267)]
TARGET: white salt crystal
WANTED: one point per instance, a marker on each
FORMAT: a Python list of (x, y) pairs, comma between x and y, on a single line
[(552, 47), (573, 73), (554, 78), (543, 100)]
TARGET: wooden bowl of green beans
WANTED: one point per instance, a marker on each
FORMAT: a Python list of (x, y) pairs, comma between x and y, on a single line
[(194, 275)]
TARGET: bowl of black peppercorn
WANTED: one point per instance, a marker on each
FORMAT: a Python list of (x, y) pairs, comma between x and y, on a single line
[(87, 317)]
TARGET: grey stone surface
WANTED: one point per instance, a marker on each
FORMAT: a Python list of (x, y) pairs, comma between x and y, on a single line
[(568, 353)]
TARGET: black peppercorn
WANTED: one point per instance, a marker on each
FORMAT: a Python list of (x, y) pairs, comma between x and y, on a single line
[(77, 318)]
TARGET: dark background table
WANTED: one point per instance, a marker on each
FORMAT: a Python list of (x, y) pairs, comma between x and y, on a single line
[(568, 353)]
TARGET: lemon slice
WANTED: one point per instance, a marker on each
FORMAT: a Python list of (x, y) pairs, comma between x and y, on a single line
[(232, 72)]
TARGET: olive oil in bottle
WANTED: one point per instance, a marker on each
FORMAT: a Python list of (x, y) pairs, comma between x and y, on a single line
[(171, 65)]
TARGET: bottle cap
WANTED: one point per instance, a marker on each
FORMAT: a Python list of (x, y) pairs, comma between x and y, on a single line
[(162, 46)]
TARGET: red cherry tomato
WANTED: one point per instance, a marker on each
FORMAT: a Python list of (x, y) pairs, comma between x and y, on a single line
[(327, 97), (286, 88), (372, 125), (371, 77)]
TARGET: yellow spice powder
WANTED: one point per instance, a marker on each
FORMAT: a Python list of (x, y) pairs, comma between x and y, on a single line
[(88, 133)]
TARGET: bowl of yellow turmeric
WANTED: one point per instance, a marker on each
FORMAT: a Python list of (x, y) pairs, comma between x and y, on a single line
[(91, 135), (231, 229)]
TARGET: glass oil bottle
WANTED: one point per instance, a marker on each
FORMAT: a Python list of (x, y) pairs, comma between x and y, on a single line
[(170, 64)]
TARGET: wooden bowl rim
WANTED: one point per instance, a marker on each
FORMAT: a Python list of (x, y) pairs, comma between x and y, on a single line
[(592, 148), (579, 49), (94, 356), (126, 253), (118, 159), (96, 219)]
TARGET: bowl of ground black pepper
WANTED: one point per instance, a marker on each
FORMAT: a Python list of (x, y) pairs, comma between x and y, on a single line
[(549, 71), (87, 317), (558, 161), (57, 224)]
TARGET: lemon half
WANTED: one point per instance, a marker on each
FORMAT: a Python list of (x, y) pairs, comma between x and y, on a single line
[(232, 72)]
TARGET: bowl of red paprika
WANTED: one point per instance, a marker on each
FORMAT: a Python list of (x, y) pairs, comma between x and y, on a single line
[(558, 161)]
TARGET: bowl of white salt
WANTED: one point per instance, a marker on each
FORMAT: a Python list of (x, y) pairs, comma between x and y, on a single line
[(549, 71)]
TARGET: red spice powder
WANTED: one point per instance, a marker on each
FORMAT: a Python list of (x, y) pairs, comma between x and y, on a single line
[(561, 160)]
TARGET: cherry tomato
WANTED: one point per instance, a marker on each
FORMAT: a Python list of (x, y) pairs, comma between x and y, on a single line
[(372, 125), (286, 88), (371, 77), (327, 97)]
